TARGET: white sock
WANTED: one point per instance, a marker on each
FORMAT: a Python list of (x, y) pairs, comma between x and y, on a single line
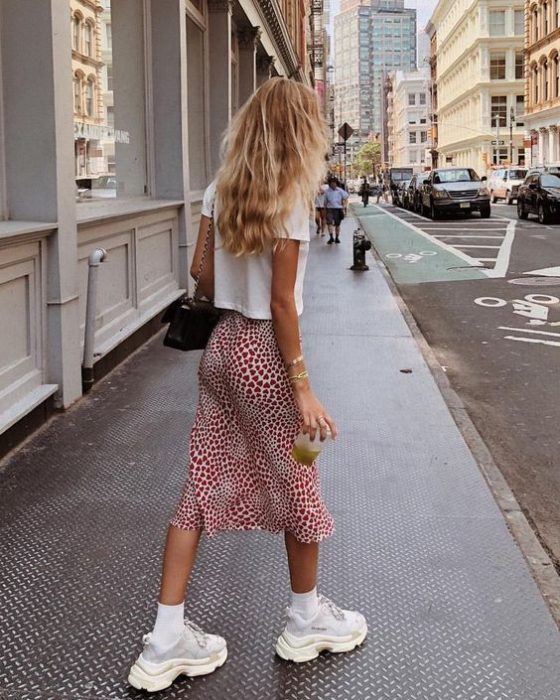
[(169, 624), (305, 604)]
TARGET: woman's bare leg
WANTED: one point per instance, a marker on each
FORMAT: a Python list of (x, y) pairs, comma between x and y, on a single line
[(181, 547), (303, 559)]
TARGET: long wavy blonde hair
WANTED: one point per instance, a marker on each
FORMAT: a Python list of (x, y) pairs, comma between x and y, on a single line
[(274, 159)]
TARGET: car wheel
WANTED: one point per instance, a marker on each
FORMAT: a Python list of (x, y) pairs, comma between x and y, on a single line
[(494, 198), (521, 212), (434, 214), (485, 212), (544, 216), (509, 198)]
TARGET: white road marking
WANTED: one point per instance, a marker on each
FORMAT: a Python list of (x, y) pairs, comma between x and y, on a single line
[(493, 247), (528, 330), (533, 340), (441, 244), (492, 302), (504, 254), (487, 260), (463, 235), (546, 272)]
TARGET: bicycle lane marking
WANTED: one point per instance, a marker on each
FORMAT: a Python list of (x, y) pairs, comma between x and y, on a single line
[(394, 237)]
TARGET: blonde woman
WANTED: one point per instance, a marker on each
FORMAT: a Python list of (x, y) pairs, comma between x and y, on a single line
[(255, 393)]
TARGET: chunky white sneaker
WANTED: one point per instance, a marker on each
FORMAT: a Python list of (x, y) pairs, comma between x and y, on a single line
[(195, 653), (330, 629)]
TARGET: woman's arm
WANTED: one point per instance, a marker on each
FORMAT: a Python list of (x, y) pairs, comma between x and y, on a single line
[(286, 328), (206, 281)]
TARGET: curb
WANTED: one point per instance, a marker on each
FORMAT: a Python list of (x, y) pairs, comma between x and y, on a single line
[(540, 564)]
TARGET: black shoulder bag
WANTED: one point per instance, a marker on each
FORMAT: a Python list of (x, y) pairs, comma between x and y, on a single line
[(192, 319)]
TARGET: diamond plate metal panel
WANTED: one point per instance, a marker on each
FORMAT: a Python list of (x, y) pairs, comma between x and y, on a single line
[(420, 546)]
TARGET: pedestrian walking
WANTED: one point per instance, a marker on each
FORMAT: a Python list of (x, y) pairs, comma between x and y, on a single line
[(320, 218), (382, 192), (254, 390), (336, 200), (364, 191)]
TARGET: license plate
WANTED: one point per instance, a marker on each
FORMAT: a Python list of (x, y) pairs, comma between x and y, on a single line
[(465, 205)]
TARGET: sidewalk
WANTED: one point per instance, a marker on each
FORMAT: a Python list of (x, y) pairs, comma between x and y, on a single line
[(421, 548)]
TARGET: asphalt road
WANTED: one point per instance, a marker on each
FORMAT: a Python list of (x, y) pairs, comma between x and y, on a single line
[(496, 331)]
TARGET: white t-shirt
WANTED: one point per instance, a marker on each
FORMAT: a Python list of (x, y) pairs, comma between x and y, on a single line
[(244, 283)]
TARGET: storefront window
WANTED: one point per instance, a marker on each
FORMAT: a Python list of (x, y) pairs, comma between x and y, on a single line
[(196, 85), (109, 99)]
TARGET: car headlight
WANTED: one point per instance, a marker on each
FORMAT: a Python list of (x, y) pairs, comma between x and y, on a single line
[(440, 194), (483, 192)]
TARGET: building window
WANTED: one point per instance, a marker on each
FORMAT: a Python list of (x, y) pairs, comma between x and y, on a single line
[(519, 105), (519, 65), (110, 77), (535, 27), (412, 156), (423, 136), (497, 23), (546, 91), (556, 14), (196, 95), (88, 39), (498, 66), (498, 110), (412, 137), (411, 99), (77, 94), (519, 22), (76, 31), (545, 18), (422, 98), (109, 35), (499, 156), (536, 84), (90, 97), (555, 63)]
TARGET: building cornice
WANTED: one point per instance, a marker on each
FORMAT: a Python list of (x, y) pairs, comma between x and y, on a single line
[(505, 42), (552, 112), (274, 22), (479, 88), (541, 43)]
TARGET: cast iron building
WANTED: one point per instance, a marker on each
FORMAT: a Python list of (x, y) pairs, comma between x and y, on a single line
[(110, 126), (371, 39)]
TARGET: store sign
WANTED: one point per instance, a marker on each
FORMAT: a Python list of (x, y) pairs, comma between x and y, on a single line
[(99, 132)]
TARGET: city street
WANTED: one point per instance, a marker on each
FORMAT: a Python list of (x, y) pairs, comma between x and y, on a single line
[(486, 296)]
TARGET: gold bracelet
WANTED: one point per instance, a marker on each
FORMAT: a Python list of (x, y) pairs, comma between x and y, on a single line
[(299, 377), (294, 362)]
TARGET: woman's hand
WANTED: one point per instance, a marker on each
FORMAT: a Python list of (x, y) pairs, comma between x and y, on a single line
[(314, 415)]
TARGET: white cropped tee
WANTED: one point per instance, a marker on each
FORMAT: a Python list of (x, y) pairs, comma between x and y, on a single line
[(244, 283)]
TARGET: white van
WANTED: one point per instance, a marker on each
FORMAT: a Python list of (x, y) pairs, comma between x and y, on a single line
[(505, 182)]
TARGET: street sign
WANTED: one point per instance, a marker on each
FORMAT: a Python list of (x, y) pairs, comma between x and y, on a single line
[(345, 131), (497, 143)]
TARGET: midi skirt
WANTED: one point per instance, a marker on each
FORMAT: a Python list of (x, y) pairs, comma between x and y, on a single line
[(242, 475)]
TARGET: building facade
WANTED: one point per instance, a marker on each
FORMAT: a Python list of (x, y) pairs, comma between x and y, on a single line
[(409, 120), (480, 82), (137, 92), (371, 39), (542, 106)]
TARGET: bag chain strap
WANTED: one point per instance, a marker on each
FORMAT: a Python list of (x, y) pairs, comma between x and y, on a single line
[(204, 253)]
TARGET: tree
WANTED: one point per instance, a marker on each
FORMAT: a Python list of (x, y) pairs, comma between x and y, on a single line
[(367, 159)]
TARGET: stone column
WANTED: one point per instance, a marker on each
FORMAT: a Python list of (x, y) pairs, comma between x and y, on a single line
[(247, 42), (552, 143), (219, 35), (264, 69), (543, 145)]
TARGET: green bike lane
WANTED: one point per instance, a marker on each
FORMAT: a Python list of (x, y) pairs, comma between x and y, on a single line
[(412, 255)]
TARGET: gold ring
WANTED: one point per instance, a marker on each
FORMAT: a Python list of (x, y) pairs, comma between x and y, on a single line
[(319, 418)]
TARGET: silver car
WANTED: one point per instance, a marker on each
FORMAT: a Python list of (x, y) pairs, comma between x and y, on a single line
[(455, 191)]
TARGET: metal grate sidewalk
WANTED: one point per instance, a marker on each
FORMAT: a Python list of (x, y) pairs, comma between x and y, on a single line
[(420, 546)]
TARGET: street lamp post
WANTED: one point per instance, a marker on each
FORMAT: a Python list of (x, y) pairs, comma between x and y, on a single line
[(497, 120), (511, 123)]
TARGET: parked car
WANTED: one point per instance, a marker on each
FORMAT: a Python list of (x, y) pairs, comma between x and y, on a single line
[(399, 193), (540, 195), (414, 192), (505, 182), (454, 191)]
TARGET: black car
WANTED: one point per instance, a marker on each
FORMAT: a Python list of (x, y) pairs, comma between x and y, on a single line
[(399, 193), (454, 191), (414, 192), (540, 195)]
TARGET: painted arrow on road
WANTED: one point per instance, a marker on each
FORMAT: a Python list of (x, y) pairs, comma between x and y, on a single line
[(546, 271)]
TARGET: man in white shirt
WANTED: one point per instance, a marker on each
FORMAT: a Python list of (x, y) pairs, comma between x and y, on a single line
[(336, 200)]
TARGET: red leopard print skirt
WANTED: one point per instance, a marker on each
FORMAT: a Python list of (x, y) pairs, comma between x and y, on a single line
[(241, 472)]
